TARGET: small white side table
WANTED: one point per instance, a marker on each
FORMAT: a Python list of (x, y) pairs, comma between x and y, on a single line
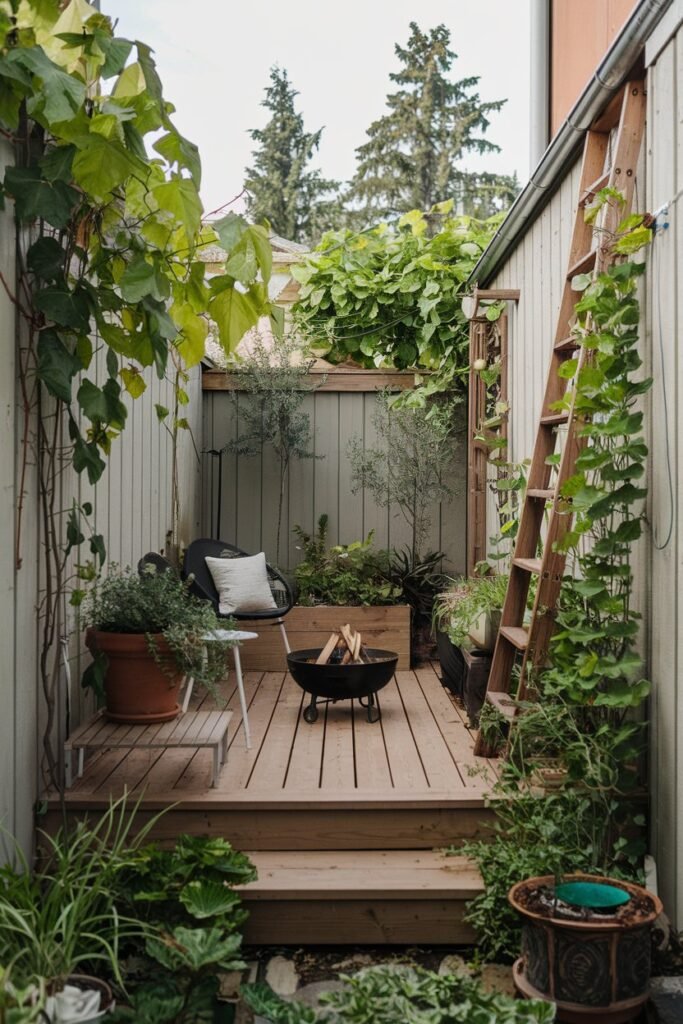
[(239, 635)]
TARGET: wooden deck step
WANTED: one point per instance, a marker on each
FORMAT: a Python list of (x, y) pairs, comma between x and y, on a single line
[(502, 702), (567, 345), (359, 896)]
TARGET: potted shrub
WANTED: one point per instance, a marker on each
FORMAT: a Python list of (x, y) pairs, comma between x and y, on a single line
[(146, 633)]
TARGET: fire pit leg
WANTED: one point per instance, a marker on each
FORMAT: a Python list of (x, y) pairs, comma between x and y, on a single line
[(311, 712), (374, 713)]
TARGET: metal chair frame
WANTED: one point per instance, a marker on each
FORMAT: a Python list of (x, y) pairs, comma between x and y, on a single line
[(195, 566)]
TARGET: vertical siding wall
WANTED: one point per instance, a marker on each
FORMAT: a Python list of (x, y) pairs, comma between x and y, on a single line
[(537, 267), (664, 606), (132, 509), (248, 515)]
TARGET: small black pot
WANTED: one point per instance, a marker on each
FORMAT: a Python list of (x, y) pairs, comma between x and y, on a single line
[(452, 663)]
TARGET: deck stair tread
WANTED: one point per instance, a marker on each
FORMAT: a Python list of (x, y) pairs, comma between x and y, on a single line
[(361, 874), (517, 635)]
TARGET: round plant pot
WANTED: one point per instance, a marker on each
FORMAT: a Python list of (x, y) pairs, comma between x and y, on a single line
[(594, 968), (137, 690)]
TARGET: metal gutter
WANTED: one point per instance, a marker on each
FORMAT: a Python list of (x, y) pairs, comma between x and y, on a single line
[(539, 100), (560, 154)]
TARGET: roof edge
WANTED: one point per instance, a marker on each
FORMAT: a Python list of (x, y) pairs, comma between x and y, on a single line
[(557, 160)]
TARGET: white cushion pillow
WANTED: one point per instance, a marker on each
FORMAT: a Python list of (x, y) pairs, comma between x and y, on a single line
[(242, 584)]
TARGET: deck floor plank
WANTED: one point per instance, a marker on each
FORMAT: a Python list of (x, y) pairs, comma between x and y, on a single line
[(270, 770), (437, 760), (406, 767), (372, 764), (410, 754), (338, 768), (476, 772)]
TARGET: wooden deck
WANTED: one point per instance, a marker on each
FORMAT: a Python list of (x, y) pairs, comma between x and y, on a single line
[(325, 810)]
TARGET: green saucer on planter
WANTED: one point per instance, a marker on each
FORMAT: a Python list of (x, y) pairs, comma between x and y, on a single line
[(593, 895)]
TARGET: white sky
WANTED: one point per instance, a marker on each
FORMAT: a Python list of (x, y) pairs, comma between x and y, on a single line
[(214, 58)]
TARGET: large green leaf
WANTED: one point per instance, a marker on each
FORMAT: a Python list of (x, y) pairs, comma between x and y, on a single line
[(45, 258), (35, 197), (196, 948), (140, 279), (207, 898), (62, 94), (66, 307), (176, 149), (230, 229), (57, 365), (103, 165), (102, 403), (88, 458), (181, 199), (57, 163), (234, 313)]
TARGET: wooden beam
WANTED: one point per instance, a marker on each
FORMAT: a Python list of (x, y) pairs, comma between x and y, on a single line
[(330, 379)]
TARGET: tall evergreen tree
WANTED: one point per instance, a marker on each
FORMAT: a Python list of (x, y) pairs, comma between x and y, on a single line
[(413, 154), (298, 202)]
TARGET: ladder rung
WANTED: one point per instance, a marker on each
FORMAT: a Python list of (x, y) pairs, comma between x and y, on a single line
[(547, 494), (529, 564), (594, 188), (586, 262), (517, 636), (567, 345), (554, 419), (502, 702)]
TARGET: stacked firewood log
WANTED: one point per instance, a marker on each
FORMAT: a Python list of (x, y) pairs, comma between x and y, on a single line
[(344, 647)]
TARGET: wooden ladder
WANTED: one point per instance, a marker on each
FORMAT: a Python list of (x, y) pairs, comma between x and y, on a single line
[(606, 162)]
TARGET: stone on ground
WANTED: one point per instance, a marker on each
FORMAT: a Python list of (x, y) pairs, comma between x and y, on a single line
[(281, 975)]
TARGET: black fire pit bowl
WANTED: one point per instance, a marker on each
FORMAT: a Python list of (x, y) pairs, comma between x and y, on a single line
[(342, 682)]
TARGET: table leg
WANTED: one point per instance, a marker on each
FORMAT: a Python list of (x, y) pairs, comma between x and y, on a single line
[(216, 765), (68, 769), (224, 744), (81, 759), (243, 700)]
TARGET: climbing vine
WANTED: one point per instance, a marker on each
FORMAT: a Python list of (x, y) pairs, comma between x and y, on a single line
[(110, 280)]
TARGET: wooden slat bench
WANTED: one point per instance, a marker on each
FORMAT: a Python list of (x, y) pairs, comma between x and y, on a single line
[(192, 729)]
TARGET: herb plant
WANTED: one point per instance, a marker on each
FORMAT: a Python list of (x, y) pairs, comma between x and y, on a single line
[(390, 993), (157, 604)]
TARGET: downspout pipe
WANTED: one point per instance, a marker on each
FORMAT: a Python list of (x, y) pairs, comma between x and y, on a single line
[(560, 154), (539, 100)]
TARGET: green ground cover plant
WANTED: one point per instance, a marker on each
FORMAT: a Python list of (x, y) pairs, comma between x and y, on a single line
[(390, 993)]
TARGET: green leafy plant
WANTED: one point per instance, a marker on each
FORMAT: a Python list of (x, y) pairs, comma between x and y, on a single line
[(21, 1005), (409, 468), (110, 283), (391, 296), (157, 604), (584, 719), (345, 574), (276, 382), (390, 993), (184, 898), (457, 610), (64, 916)]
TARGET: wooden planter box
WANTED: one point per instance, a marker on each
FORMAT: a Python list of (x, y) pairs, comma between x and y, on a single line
[(384, 627)]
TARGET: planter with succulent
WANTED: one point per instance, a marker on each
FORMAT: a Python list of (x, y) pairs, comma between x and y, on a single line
[(147, 633)]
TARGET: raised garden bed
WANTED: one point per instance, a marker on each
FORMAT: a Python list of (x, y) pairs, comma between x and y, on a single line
[(386, 627)]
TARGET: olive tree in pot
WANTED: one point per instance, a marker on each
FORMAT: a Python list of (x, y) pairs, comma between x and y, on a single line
[(147, 633)]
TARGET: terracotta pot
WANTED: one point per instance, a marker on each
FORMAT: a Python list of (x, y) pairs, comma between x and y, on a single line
[(136, 689), (597, 969)]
